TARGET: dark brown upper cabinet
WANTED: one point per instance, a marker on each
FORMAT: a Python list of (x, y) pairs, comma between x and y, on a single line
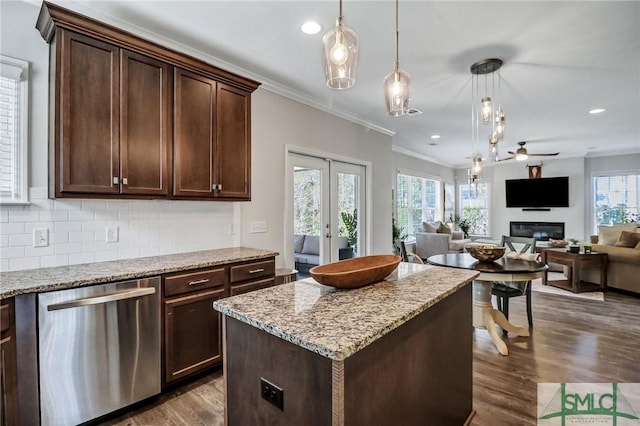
[(212, 138), (112, 120), (132, 119)]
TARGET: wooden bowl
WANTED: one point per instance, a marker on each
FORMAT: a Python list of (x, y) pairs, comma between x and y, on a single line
[(356, 272), (558, 243), (485, 253)]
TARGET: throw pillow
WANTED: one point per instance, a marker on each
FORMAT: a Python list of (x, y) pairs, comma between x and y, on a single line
[(638, 246), (628, 239), (298, 243), (444, 229), (311, 245), (609, 235), (429, 227)]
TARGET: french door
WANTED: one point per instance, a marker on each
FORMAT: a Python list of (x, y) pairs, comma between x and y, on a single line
[(329, 202)]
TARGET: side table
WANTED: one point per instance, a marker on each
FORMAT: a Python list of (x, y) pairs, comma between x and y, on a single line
[(575, 262)]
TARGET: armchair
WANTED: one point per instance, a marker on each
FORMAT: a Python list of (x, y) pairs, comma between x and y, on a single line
[(432, 243)]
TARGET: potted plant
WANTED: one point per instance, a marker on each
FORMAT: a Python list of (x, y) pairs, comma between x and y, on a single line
[(396, 232), (464, 224), (350, 222), (574, 247)]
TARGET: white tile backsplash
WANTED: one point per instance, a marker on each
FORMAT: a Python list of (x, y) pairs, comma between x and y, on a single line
[(77, 229)]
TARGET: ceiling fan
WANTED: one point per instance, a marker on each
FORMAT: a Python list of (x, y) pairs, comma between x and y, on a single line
[(521, 153)]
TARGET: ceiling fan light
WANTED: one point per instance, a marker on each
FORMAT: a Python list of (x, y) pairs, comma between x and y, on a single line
[(397, 88), (521, 154), (340, 56)]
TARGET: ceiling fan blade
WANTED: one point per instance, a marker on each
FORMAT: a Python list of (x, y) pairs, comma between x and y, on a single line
[(511, 152), (544, 155), (506, 158)]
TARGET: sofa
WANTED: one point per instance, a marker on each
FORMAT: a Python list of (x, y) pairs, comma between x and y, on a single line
[(306, 250), (438, 238), (622, 245)]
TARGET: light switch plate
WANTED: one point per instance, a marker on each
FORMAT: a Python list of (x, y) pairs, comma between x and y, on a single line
[(258, 227), (41, 237)]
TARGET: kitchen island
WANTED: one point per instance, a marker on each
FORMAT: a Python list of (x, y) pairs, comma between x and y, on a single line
[(395, 352)]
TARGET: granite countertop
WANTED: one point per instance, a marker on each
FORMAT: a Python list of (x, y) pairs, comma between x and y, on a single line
[(338, 323), (61, 277)]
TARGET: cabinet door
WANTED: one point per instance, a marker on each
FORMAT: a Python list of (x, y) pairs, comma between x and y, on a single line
[(88, 110), (233, 142), (193, 337), (145, 132), (8, 365), (194, 135)]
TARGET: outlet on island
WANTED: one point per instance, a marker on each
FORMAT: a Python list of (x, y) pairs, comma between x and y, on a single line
[(272, 393)]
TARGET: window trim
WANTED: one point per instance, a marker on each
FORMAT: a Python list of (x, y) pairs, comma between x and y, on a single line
[(415, 174), (459, 203), (12, 68), (593, 226)]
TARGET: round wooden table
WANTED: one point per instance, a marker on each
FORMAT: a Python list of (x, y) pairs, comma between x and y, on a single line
[(504, 269)]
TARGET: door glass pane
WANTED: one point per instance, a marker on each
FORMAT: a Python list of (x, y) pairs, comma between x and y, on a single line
[(306, 201), (347, 215)]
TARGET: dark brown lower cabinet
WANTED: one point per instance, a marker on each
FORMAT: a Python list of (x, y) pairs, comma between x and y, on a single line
[(193, 339), (8, 364)]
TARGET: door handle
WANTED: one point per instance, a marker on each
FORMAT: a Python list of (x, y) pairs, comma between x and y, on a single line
[(327, 235), (105, 298)]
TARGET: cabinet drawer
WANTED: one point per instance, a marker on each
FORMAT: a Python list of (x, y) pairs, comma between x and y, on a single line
[(250, 286), (194, 281), (252, 271)]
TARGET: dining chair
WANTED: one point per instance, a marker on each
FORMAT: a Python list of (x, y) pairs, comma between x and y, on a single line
[(407, 256), (506, 290)]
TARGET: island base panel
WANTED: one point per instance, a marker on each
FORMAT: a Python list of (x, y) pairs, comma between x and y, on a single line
[(420, 373), (251, 355)]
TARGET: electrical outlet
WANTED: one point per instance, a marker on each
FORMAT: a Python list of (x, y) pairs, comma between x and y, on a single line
[(41, 237), (272, 393), (258, 227), (112, 234)]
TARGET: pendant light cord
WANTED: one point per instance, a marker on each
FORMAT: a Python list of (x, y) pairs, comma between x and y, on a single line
[(397, 36)]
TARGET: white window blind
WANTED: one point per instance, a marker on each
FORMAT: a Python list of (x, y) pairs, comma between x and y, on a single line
[(13, 130)]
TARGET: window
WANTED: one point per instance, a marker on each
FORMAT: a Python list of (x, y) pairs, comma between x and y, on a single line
[(417, 202), (616, 199), (14, 94), (476, 209)]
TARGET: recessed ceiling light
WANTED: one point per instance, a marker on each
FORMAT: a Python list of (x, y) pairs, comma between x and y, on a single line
[(597, 111), (311, 27), (435, 136)]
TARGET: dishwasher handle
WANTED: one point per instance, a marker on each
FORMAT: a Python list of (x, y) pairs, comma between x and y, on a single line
[(105, 298)]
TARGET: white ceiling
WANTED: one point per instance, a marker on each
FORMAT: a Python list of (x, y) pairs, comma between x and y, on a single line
[(561, 59)]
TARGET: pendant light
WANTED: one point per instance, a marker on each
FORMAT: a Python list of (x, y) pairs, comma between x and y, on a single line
[(486, 112), (397, 85), (340, 55)]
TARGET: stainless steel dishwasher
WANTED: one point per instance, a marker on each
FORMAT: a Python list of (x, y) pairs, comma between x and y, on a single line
[(99, 349)]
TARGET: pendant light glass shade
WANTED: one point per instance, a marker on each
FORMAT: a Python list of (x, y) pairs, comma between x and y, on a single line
[(500, 123), (397, 85), (397, 88), (486, 110), (340, 55)]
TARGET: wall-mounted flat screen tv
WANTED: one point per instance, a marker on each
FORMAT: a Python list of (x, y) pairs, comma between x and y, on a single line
[(542, 192)]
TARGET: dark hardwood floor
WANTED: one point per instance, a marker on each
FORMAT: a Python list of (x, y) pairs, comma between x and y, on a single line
[(573, 340)]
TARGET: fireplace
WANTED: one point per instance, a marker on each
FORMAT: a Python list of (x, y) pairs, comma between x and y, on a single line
[(541, 231)]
